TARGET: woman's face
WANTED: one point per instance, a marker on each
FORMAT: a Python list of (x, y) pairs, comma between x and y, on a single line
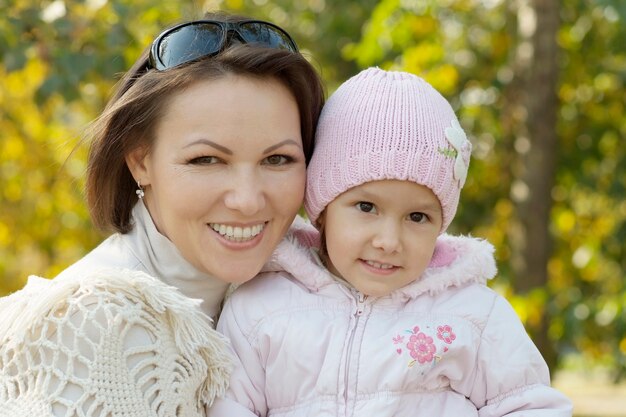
[(225, 176)]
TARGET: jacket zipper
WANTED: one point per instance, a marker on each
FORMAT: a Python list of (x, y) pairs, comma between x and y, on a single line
[(360, 307)]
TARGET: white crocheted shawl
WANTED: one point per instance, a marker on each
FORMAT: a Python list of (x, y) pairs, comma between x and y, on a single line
[(115, 343)]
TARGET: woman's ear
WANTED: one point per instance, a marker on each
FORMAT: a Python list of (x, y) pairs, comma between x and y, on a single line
[(137, 164)]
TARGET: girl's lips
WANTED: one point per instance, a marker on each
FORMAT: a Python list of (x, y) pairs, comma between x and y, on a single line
[(379, 267)]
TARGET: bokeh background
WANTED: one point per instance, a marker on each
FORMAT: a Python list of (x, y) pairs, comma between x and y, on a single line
[(538, 85)]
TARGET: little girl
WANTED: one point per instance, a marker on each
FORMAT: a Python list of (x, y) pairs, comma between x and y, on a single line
[(390, 317)]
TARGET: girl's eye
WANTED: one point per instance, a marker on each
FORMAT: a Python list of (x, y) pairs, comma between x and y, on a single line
[(278, 160), (418, 217), (204, 160), (365, 207)]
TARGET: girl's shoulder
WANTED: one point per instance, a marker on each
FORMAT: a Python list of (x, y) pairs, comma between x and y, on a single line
[(297, 255), (457, 261), (267, 294)]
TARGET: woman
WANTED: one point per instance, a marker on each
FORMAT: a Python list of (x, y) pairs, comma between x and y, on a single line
[(198, 166)]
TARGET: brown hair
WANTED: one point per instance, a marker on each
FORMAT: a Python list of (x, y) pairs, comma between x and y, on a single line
[(129, 120), (320, 224)]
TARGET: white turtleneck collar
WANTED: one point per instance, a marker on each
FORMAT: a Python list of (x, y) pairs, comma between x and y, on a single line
[(162, 260), (145, 249)]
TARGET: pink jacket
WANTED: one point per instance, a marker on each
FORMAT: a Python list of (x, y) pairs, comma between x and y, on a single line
[(446, 345)]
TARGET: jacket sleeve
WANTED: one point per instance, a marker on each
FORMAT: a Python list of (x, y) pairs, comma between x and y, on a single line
[(512, 378), (246, 392), (228, 407)]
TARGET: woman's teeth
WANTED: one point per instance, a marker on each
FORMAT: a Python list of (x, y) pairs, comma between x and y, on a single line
[(235, 233)]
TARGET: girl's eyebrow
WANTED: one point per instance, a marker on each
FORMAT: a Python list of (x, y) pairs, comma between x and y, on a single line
[(420, 205), (279, 144), (210, 143), (431, 207)]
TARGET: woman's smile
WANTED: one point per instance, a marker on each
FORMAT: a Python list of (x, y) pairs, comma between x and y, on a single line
[(238, 233)]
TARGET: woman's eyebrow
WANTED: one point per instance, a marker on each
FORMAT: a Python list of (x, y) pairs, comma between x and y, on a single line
[(210, 143), (279, 144)]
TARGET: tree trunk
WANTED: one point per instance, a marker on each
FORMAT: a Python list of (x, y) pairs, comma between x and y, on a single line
[(539, 163)]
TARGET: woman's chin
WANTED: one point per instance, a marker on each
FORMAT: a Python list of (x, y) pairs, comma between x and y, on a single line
[(238, 272)]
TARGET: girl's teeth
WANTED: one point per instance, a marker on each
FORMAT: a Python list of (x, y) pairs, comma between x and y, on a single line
[(379, 265), (237, 234)]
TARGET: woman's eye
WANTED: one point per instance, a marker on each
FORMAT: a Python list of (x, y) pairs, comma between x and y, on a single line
[(365, 207), (204, 160), (277, 160), (418, 217)]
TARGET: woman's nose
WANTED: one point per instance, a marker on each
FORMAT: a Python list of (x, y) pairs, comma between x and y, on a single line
[(246, 193)]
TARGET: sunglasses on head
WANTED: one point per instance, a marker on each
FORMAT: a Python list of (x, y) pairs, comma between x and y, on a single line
[(204, 38)]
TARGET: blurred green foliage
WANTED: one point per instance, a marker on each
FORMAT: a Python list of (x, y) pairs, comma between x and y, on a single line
[(60, 59)]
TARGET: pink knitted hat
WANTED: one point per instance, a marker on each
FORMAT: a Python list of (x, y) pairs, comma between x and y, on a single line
[(387, 125)]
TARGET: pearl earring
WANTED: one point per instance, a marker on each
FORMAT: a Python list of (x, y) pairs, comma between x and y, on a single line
[(139, 191)]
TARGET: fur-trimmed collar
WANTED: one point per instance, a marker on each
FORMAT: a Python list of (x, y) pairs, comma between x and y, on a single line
[(457, 260)]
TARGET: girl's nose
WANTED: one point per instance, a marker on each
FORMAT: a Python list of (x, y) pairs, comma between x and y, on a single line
[(388, 237), (246, 194)]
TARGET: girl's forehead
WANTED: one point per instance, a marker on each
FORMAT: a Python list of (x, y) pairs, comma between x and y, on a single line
[(386, 186)]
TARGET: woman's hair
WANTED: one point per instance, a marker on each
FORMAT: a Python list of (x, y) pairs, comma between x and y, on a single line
[(130, 118)]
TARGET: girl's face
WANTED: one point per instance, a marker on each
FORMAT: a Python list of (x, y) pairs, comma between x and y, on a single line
[(381, 235), (225, 176)]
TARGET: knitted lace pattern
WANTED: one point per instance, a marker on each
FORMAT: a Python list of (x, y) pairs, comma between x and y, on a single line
[(70, 348)]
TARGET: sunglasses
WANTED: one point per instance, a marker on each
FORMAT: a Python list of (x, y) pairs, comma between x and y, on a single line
[(204, 38)]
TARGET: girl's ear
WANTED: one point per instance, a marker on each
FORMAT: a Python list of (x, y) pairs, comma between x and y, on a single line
[(137, 164)]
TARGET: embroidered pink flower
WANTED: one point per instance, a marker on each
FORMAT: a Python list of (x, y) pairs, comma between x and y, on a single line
[(445, 333), (421, 347), (398, 339)]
